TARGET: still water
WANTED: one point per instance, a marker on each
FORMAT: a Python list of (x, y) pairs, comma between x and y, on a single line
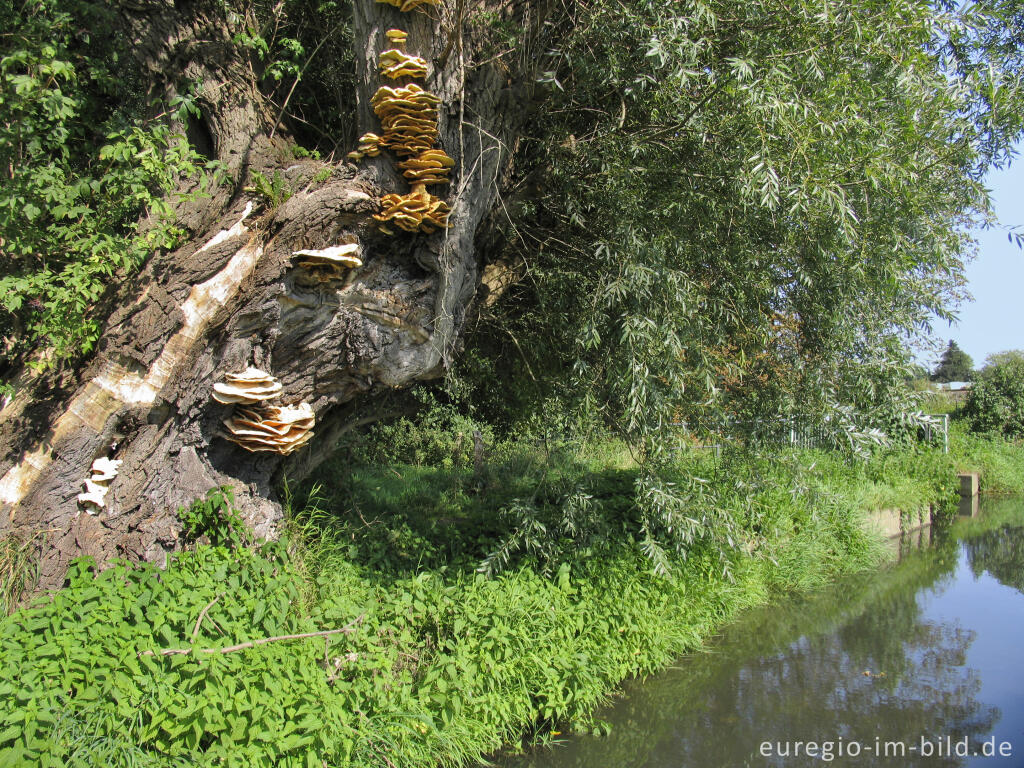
[(918, 664)]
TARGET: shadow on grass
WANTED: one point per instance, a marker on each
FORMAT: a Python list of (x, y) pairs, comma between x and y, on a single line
[(399, 519)]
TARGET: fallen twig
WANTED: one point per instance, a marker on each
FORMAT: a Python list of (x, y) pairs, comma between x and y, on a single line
[(347, 629), (202, 614)]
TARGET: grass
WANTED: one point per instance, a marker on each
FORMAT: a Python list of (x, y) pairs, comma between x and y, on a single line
[(18, 571), (446, 664)]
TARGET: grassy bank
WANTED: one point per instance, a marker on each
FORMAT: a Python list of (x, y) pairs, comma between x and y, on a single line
[(442, 663)]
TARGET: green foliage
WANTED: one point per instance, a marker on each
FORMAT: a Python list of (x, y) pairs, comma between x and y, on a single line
[(447, 663), (302, 52), (955, 365), (445, 666), (216, 519), (996, 400), (735, 210), (75, 668), (274, 190), (439, 434), (79, 171)]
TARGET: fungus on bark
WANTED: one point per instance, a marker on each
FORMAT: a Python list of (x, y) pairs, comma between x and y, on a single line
[(409, 119), (249, 387), (370, 145), (429, 167), (408, 116), (328, 263), (276, 429), (418, 211), (394, 64), (96, 487)]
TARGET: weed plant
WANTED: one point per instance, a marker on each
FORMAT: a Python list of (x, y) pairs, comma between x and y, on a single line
[(446, 662)]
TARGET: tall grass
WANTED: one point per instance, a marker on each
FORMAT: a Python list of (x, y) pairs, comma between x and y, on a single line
[(19, 561), (446, 663)]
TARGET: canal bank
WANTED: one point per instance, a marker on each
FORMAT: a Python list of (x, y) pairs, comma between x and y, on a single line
[(439, 663), (914, 665)]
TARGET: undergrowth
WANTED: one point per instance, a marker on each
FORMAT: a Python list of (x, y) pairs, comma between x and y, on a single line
[(441, 662)]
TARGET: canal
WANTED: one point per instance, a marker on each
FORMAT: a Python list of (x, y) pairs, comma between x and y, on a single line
[(915, 664)]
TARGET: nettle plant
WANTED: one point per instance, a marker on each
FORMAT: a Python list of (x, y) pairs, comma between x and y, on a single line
[(85, 185)]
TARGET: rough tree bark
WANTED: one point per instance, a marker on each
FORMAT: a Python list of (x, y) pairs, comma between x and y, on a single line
[(231, 297)]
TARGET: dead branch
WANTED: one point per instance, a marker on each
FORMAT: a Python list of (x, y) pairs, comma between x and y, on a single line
[(347, 629), (202, 614)]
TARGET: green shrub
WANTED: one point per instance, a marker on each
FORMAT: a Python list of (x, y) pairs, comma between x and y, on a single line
[(80, 168), (439, 435), (446, 663), (996, 401)]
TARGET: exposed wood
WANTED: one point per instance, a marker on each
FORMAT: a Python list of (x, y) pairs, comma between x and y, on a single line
[(233, 297)]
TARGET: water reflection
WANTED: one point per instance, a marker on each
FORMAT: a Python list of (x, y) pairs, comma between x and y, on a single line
[(969, 506), (880, 662)]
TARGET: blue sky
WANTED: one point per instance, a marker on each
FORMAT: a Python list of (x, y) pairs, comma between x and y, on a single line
[(994, 321)]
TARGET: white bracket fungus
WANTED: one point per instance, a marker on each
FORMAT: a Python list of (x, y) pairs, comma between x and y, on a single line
[(96, 487), (249, 387), (329, 263)]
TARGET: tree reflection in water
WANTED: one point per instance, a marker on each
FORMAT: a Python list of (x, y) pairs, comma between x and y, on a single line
[(857, 662)]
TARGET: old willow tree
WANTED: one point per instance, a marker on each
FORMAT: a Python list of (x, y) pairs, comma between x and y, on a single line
[(686, 209)]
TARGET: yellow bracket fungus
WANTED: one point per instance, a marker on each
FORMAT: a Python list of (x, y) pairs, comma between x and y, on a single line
[(429, 167), (394, 64), (418, 211), (277, 429), (370, 145), (408, 116)]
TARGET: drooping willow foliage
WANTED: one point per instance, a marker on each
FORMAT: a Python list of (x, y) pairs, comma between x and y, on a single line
[(730, 212)]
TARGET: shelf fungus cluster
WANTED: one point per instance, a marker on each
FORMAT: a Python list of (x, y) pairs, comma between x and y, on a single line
[(250, 387), (278, 429), (395, 63), (370, 145), (96, 487), (255, 424), (430, 167), (408, 115), (414, 212), (329, 263)]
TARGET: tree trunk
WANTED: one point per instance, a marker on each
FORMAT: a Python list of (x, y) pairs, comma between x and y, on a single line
[(233, 297)]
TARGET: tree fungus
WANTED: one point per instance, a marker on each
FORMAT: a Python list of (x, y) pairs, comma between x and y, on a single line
[(418, 211), (370, 145), (249, 387), (277, 429), (328, 263), (408, 116), (395, 63), (429, 167), (96, 487)]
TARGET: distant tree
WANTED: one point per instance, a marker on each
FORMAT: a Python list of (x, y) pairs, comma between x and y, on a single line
[(996, 403), (955, 365), (1002, 358)]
